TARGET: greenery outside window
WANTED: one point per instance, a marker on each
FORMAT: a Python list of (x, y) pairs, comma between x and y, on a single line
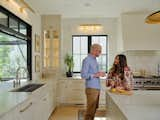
[(15, 46), (81, 47), (3, 19), (13, 54)]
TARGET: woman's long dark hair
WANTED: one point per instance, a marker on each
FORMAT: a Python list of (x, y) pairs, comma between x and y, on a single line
[(119, 68)]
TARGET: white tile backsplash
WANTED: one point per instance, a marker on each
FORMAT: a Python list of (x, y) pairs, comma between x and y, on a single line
[(148, 62)]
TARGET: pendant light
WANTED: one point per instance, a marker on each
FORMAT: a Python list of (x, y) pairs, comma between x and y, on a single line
[(154, 18)]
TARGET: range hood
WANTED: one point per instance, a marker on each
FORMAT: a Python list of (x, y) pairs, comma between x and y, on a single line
[(154, 18)]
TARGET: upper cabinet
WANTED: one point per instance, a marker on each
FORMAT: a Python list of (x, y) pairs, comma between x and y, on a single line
[(51, 41), (138, 35), (51, 49)]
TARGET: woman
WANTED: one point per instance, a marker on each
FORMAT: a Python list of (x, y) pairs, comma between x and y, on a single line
[(120, 75)]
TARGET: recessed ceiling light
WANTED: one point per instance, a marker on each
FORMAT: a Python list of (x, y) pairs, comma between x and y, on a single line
[(87, 4)]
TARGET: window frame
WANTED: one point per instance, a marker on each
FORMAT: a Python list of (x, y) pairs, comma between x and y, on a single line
[(89, 44), (28, 37)]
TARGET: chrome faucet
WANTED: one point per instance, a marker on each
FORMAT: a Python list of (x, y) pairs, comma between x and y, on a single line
[(19, 75), (158, 70)]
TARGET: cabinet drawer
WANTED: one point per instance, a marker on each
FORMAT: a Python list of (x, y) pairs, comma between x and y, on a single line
[(78, 89), (76, 95), (77, 85)]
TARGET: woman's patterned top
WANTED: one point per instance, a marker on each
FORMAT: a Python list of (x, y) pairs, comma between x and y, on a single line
[(115, 80)]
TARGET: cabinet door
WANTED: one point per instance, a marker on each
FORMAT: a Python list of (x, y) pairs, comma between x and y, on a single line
[(45, 105), (38, 110), (103, 93), (50, 44), (52, 99), (41, 109), (25, 111), (10, 115), (62, 91), (76, 92)]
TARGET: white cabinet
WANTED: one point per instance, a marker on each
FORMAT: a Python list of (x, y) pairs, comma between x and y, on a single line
[(52, 98), (44, 103), (25, 110), (41, 110), (76, 92), (38, 106), (50, 44), (102, 99), (72, 91), (11, 115), (51, 26), (62, 91), (45, 107), (138, 35)]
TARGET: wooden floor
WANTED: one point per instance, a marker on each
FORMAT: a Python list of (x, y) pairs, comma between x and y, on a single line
[(68, 113)]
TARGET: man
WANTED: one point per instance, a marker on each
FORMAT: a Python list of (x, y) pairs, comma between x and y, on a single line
[(90, 72)]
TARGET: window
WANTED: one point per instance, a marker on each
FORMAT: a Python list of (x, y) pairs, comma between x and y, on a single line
[(13, 23), (81, 48), (15, 46), (23, 28), (13, 54), (3, 19)]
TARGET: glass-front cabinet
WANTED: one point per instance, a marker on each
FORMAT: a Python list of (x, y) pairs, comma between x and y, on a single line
[(51, 49)]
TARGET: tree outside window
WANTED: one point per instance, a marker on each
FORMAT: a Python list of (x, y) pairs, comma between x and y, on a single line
[(81, 47)]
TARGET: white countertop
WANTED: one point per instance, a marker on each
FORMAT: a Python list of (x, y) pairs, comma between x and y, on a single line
[(9, 100), (142, 105)]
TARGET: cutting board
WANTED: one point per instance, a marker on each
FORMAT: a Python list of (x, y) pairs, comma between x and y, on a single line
[(125, 92)]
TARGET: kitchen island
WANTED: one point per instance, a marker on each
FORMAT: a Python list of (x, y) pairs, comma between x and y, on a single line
[(141, 105)]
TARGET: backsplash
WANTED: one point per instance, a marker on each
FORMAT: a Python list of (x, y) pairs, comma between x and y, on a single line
[(143, 61)]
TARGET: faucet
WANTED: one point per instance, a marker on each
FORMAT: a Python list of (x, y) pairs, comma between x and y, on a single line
[(20, 73), (158, 70)]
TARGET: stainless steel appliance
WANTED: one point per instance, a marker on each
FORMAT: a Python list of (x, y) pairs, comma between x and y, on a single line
[(147, 83)]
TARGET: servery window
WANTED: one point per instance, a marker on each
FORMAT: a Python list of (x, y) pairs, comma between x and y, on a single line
[(15, 46)]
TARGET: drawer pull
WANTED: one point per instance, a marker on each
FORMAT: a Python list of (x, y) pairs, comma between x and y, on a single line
[(74, 89), (44, 99), (22, 110)]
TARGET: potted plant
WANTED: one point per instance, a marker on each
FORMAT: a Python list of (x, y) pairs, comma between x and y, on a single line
[(68, 60)]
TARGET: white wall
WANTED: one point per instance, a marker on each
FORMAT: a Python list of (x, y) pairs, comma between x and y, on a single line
[(139, 41), (144, 60), (70, 27), (120, 46), (31, 18), (138, 35), (52, 23)]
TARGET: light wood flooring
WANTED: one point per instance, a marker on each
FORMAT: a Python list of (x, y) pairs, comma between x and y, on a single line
[(69, 113)]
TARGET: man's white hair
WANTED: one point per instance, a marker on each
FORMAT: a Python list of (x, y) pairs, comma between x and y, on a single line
[(96, 47)]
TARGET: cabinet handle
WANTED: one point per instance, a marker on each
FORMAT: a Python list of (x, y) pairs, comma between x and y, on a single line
[(74, 89), (22, 110), (44, 99)]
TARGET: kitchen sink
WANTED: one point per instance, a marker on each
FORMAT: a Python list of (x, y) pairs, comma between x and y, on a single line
[(27, 88)]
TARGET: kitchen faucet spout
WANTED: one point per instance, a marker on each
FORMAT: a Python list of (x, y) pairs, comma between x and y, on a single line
[(158, 70), (20, 73)]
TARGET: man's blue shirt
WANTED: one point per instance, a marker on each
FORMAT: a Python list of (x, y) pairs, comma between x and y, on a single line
[(89, 68)]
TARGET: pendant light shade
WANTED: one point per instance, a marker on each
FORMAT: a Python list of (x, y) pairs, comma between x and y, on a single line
[(154, 18)]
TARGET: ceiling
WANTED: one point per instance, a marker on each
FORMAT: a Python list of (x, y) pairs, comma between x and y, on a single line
[(92, 8)]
